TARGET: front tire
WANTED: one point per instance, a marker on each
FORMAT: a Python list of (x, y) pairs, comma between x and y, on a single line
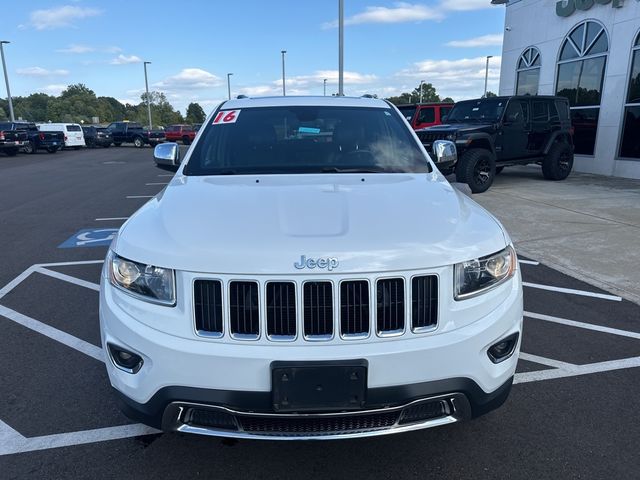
[(29, 148), (558, 163), (476, 168), (138, 142)]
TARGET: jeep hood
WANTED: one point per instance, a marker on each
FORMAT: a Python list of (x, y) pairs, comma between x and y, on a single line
[(460, 127), (263, 224)]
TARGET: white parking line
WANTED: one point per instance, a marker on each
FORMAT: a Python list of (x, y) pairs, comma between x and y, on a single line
[(166, 175), (549, 362), (69, 278), (583, 293), (18, 443), (106, 219), (528, 262), (158, 183), (586, 326), (140, 196), (53, 333), (526, 377), (63, 264), (16, 281)]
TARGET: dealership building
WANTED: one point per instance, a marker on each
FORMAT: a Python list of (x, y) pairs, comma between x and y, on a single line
[(589, 52)]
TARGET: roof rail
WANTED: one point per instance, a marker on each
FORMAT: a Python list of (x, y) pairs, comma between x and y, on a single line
[(368, 95), (241, 96)]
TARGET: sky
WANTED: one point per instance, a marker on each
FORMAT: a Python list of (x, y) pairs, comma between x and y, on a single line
[(389, 47)]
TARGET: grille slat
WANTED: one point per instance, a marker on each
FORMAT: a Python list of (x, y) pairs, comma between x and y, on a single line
[(208, 306), (243, 309), (281, 309), (424, 292), (354, 308), (318, 309), (390, 305)]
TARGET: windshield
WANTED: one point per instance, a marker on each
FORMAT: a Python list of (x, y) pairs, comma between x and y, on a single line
[(310, 139), (484, 110), (408, 112)]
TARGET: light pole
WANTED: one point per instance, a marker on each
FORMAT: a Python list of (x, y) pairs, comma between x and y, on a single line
[(146, 84), (284, 90), (229, 85), (421, 83), (324, 82), (486, 75), (6, 81), (341, 47)]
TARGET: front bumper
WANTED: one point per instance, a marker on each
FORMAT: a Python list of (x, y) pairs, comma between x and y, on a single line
[(183, 372)]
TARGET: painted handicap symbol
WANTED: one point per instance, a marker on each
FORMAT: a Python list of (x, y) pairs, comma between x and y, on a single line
[(90, 237)]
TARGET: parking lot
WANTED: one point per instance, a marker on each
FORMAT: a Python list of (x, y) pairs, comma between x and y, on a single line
[(572, 412)]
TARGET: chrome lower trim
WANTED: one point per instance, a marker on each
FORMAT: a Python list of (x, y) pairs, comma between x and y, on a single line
[(176, 411)]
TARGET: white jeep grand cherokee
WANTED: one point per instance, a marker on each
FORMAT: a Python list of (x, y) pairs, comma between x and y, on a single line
[(308, 273)]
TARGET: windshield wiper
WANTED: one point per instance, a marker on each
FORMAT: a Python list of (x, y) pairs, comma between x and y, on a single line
[(353, 170)]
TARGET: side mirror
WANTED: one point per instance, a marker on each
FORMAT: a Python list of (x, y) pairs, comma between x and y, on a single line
[(167, 154), (445, 152)]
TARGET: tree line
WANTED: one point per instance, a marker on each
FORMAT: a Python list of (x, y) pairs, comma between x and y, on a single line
[(79, 104)]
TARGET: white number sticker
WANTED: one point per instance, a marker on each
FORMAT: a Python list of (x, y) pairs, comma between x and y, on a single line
[(226, 116)]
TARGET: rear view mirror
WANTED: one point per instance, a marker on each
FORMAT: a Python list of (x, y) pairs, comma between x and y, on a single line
[(167, 154), (445, 152)]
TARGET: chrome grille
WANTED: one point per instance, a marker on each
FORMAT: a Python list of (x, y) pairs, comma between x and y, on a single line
[(318, 309), (243, 309), (424, 305), (390, 306), (354, 308), (281, 309), (207, 299)]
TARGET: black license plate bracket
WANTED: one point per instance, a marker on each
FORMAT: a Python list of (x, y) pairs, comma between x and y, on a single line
[(318, 386)]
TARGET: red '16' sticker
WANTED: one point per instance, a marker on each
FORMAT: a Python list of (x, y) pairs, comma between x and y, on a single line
[(226, 116)]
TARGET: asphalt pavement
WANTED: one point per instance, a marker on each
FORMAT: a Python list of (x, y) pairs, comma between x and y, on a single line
[(571, 414)]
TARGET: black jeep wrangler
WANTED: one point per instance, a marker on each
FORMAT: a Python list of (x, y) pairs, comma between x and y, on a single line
[(497, 132)]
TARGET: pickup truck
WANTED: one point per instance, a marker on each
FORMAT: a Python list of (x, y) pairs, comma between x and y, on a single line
[(184, 133), (36, 140), (131, 132), (11, 140)]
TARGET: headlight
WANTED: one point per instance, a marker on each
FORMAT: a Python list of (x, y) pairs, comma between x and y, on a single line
[(476, 276), (150, 283)]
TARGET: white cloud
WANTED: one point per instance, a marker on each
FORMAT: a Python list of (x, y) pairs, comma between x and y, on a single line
[(126, 60), (59, 17), (55, 89), (41, 72), (466, 5), (459, 79), (399, 13), (482, 41), (190, 78), (75, 48)]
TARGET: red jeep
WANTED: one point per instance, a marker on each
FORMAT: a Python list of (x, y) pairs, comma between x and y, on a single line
[(183, 133), (423, 115)]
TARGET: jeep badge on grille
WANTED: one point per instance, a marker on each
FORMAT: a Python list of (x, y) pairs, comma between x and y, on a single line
[(329, 263)]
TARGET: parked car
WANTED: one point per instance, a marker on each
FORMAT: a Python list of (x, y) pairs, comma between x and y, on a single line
[(184, 133), (132, 132), (422, 115), (97, 136), (73, 136), (11, 140), (37, 140), (286, 287), (497, 132)]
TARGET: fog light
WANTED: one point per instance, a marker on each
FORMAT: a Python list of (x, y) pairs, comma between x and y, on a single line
[(124, 359), (503, 349)]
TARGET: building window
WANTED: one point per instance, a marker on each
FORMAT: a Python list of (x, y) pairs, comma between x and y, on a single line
[(528, 75), (583, 57), (630, 145)]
